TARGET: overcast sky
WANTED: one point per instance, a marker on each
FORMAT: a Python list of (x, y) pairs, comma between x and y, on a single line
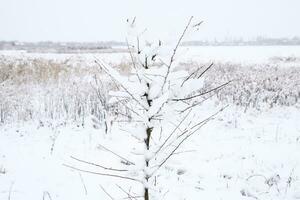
[(98, 20)]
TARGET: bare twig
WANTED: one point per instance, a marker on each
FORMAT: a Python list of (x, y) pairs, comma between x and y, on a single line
[(203, 121), (196, 104), (102, 174), (46, 193), (187, 151), (203, 93), (174, 52), (133, 61), (190, 76), (127, 161), (97, 165), (129, 195), (197, 126), (138, 45), (174, 130), (129, 108), (102, 188), (81, 179), (206, 70), (10, 190), (175, 149)]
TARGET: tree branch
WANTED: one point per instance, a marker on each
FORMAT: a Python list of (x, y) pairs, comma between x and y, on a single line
[(174, 52), (174, 130), (206, 70), (201, 124), (102, 174), (193, 73), (127, 161), (97, 165), (133, 61), (203, 93), (102, 65), (102, 188)]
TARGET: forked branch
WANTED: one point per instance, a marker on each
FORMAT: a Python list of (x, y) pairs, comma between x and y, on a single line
[(175, 51)]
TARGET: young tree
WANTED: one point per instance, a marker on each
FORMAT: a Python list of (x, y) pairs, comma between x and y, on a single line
[(154, 91)]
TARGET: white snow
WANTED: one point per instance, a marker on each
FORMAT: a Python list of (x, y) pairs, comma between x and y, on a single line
[(238, 155), (230, 157)]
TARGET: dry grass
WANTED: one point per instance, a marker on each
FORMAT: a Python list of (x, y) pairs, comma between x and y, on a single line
[(254, 86), (43, 89)]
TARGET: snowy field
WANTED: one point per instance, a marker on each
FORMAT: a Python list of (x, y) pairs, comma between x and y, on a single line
[(240, 54), (250, 150)]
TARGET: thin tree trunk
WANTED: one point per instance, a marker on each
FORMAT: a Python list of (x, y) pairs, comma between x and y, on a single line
[(146, 194), (147, 143)]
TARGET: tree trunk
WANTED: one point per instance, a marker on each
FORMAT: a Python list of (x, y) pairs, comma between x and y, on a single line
[(146, 194), (147, 142)]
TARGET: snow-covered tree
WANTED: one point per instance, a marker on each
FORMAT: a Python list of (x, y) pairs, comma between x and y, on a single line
[(156, 92)]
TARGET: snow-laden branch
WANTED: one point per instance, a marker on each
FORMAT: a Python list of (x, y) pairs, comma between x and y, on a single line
[(132, 89)]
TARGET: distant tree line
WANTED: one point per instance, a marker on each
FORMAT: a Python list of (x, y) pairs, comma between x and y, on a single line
[(79, 47), (58, 47), (259, 41)]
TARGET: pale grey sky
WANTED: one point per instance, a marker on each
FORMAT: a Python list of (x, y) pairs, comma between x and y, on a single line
[(98, 20)]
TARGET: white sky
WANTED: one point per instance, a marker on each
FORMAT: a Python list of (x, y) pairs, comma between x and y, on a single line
[(98, 20)]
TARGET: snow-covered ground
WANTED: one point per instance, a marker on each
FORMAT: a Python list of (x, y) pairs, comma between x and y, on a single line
[(238, 155)]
